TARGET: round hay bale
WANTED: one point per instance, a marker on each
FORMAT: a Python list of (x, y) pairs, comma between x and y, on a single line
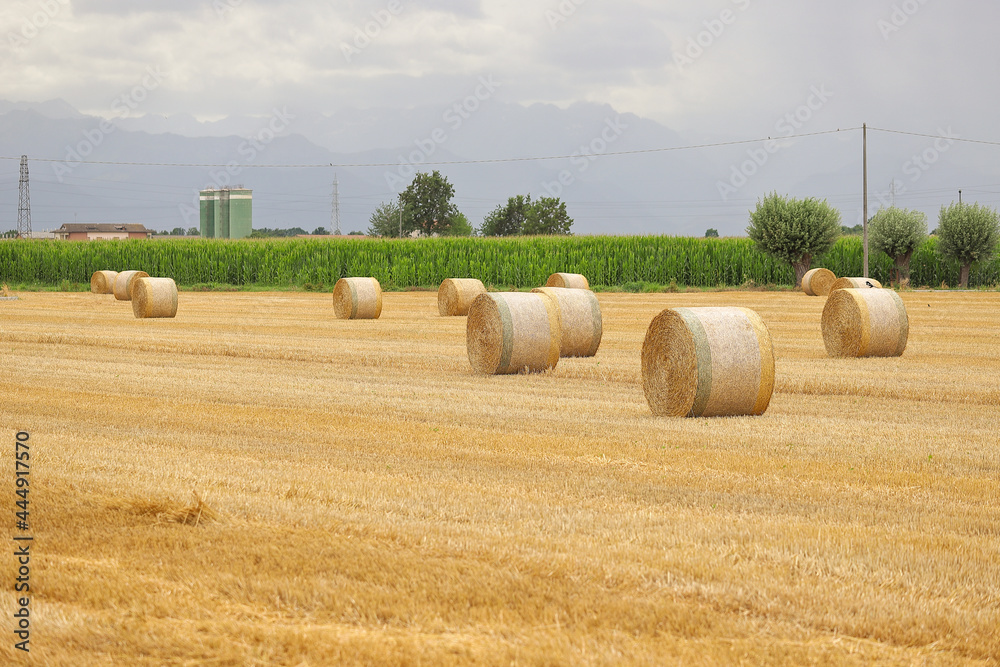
[(510, 332), (580, 327), (817, 282), (124, 282), (855, 283), (455, 295), (103, 282), (865, 323), (357, 299), (707, 362), (570, 280), (154, 297)]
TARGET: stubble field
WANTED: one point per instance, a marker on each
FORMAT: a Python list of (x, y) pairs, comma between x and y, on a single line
[(366, 499)]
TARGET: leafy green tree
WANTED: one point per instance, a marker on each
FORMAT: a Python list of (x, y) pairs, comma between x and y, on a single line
[(969, 234), (427, 204), (856, 230), (794, 230), (507, 219), (385, 221), (320, 231), (193, 231), (547, 215), (711, 233), (459, 226), (897, 232), (177, 231)]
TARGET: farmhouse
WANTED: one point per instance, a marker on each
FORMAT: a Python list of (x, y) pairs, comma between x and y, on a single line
[(91, 232)]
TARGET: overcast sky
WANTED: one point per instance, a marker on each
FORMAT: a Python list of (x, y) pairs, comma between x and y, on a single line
[(712, 71), (728, 67)]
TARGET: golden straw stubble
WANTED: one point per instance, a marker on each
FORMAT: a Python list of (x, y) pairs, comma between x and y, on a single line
[(580, 322), (511, 332), (455, 295), (103, 282), (571, 280), (124, 282), (865, 323), (707, 362), (817, 282), (154, 297), (357, 299), (856, 283)]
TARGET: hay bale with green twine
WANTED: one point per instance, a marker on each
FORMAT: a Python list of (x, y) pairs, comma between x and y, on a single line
[(817, 282), (124, 282), (103, 282), (511, 332), (568, 280), (357, 299), (154, 297), (854, 283), (865, 323), (580, 325), (707, 362), (455, 295)]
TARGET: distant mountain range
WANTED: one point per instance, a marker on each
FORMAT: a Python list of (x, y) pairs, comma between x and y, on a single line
[(373, 154)]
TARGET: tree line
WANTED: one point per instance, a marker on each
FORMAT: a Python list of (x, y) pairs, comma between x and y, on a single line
[(425, 208), (797, 230)]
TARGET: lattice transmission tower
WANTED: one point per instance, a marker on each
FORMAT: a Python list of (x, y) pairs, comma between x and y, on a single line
[(23, 203)]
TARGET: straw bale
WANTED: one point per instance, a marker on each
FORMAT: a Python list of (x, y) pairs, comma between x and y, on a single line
[(124, 282), (865, 323), (571, 280), (817, 282), (357, 299), (154, 297), (579, 320), (511, 332), (707, 362), (455, 295), (103, 282), (859, 283)]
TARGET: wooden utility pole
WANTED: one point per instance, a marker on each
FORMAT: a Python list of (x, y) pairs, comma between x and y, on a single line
[(864, 223)]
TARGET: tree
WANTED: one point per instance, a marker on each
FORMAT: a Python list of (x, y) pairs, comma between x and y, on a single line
[(427, 203), (320, 231), (547, 215), (897, 232), (507, 220), (969, 234), (711, 233), (177, 231), (193, 231), (385, 220), (794, 230), (459, 226)]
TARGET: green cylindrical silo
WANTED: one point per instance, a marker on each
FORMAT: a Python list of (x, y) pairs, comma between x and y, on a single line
[(240, 213), (206, 200)]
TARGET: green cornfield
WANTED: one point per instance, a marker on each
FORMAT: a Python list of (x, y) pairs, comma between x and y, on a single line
[(607, 261)]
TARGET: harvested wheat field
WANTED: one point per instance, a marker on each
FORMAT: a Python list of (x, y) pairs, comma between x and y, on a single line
[(255, 482)]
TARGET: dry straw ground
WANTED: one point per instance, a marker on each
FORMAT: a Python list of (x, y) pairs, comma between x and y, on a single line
[(363, 498)]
